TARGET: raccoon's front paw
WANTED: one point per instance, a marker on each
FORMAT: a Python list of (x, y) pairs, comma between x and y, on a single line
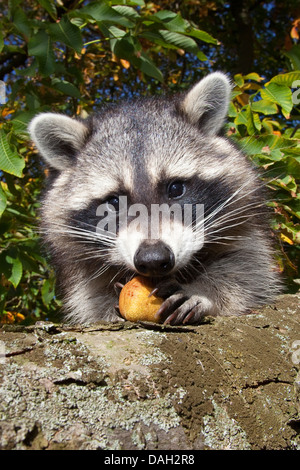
[(166, 288), (182, 309)]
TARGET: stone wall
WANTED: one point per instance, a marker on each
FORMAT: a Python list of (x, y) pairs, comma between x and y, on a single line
[(230, 383)]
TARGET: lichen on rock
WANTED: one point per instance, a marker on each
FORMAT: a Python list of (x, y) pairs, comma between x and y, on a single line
[(230, 383)]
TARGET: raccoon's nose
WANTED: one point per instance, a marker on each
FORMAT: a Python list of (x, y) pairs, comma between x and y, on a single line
[(154, 259)]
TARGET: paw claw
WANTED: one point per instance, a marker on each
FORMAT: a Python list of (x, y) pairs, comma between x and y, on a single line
[(181, 309), (189, 317), (118, 287), (168, 321), (153, 292), (166, 289), (170, 306)]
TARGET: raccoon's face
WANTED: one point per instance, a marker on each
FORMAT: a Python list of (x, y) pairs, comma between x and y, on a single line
[(134, 188)]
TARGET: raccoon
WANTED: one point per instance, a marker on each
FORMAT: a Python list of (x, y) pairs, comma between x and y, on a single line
[(156, 151)]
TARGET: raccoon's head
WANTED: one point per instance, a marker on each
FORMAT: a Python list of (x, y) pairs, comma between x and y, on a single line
[(132, 185)]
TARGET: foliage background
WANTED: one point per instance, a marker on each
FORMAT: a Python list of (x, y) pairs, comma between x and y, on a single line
[(72, 56)]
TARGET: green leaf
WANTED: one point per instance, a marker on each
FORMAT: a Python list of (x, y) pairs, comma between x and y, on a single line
[(65, 87), (126, 11), (5, 266), (256, 121), (232, 112), (245, 117), (21, 22), (179, 40), (124, 48), (268, 125), (112, 31), (41, 47), (16, 271), (139, 3), (286, 79), (157, 39), (3, 201), (20, 122), (149, 68), (276, 155), (264, 107), (294, 152), (294, 56), (100, 11), (48, 292), (279, 94), (49, 7), (1, 42), (171, 21), (10, 161), (293, 167), (286, 182), (67, 33), (3, 295), (253, 144), (202, 35), (164, 15), (293, 230), (132, 3), (239, 79), (30, 263), (182, 42), (294, 208), (79, 22)]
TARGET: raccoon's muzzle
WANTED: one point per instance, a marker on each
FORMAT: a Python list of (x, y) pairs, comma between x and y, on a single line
[(154, 259)]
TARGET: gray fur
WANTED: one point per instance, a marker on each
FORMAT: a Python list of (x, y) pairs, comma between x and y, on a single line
[(136, 149), (208, 102), (57, 137)]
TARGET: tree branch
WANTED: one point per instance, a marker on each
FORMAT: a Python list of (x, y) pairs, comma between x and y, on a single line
[(241, 14)]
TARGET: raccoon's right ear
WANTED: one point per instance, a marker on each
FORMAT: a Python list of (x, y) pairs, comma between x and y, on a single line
[(58, 138), (206, 104)]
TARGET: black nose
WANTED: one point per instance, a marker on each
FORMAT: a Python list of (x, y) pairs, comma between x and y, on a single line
[(154, 259)]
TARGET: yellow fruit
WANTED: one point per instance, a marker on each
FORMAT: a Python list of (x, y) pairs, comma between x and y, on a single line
[(135, 303)]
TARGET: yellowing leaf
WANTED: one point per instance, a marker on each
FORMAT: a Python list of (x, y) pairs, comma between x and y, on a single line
[(286, 239), (253, 76), (7, 317), (295, 29), (243, 99), (125, 63), (294, 33), (7, 111), (19, 317)]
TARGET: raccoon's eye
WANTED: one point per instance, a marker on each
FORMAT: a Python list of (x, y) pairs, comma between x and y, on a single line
[(176, 189), (113, 201)]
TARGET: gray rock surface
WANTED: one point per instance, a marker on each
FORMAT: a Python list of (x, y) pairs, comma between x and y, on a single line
[(230, 383)]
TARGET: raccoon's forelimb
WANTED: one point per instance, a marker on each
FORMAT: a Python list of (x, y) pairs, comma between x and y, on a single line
[(180, 308)]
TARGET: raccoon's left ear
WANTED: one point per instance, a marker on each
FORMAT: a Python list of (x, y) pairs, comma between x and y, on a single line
[(206, 104), (58, 138)]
